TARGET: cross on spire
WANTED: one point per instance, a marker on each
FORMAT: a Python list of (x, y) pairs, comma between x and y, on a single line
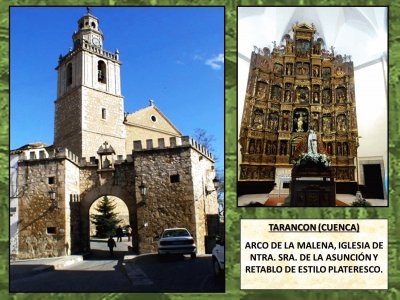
[(88, 9)]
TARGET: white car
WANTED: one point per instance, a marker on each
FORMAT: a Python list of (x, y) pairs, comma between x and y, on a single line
[(176, 241), (218, 258)]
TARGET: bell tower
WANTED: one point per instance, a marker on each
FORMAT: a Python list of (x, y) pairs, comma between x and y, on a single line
[(89, 109)]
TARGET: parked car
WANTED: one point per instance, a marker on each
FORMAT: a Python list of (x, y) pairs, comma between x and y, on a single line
[(176, 241), (218, 258)]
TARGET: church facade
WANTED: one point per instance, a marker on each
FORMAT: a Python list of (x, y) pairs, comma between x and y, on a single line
[(297, 87), (101, 150)]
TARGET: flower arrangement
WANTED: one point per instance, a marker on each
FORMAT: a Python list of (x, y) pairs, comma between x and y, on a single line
[(360, 201), (318, 159)]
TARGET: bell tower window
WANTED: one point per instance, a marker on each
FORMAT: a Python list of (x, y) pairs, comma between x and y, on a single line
[(69, 74), (101, 71)]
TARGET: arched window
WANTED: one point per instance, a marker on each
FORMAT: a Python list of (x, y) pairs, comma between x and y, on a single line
[(69, 74), (101, 71)]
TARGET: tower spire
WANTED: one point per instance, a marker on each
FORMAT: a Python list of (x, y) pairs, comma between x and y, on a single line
[(88, 9)]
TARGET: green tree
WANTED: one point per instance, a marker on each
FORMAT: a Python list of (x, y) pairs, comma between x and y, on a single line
[(106, 221)]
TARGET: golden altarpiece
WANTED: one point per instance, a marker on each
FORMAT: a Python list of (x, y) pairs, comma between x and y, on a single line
[(297, 86)]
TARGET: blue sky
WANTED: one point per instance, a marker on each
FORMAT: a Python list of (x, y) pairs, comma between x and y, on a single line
[(169, 54)]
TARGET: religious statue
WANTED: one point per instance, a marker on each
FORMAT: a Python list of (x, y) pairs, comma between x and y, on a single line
[(258, 122), (287, 96), (300, 123), (312, 142), (316, 100)]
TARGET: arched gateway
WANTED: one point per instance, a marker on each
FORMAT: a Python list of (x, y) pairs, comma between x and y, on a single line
[(59, 190)]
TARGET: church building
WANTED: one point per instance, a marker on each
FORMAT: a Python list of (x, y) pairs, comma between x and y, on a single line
[(165, 179)]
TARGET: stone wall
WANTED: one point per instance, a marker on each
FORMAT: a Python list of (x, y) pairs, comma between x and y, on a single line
[(180, 193), (14, 194), (95, 129), (79, 124), (205, 195), (177, 190), (42, 224), (68, 120), (71, 191)]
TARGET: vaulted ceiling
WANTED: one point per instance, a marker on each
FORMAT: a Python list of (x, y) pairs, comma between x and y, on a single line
[(357, 31)]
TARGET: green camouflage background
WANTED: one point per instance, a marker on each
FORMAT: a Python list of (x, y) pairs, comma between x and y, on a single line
[(233, 214)]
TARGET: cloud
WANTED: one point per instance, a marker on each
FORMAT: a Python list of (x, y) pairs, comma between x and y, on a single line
[(216, 62), (197, 57)]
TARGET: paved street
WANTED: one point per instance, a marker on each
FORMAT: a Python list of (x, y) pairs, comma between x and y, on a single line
[(100, 272)]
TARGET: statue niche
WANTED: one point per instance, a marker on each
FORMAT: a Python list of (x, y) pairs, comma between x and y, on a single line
[(261, 89), (326, 96), (273, 121), (258, 119), (341, 124), (276, 93), (303, 48), (300, 120), (315, 97), (302, 95), (278, 69), (326, 73), (302, 69), (315, 121), (288, 93), (285, 121), (315, 71), (289, 69), (283, 148), (327, 123), (341, 95)]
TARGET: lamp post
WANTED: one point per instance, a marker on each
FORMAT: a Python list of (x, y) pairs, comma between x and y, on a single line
[(52, 194), (135, 224), (143, 191)]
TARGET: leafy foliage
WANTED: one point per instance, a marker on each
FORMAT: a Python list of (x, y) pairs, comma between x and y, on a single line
[(107, 220)]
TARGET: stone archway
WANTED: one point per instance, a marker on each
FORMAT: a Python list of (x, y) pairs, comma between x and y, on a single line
[(118, 182), (119, 209), (91, 197)]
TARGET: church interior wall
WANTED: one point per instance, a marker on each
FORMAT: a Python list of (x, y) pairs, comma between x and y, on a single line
[(372, 110)]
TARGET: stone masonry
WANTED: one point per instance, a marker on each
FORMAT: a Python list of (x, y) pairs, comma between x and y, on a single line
[(180, 194)]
